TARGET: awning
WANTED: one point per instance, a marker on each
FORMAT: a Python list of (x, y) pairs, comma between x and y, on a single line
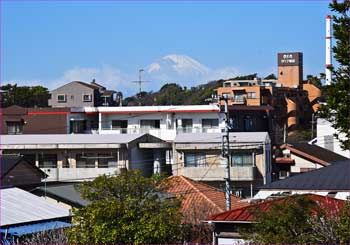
[(33, 228)]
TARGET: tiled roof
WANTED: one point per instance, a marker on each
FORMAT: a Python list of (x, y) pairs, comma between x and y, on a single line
[(329, 178), (8, 162), (315, 153), (246, 214), (199, 200)]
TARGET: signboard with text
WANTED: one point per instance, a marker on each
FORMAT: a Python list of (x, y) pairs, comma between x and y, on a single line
[(290, 59)]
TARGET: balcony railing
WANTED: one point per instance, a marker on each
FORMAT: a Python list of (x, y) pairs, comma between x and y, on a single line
[(238, 100)]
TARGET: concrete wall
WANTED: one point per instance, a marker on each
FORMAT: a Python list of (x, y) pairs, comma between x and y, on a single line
[(326, 139), (302, 165)]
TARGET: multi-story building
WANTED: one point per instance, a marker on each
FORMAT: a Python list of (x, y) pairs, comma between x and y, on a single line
[(198, 156), (290, 101)]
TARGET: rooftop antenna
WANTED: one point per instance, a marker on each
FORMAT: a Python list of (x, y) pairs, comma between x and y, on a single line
[(140, 83)]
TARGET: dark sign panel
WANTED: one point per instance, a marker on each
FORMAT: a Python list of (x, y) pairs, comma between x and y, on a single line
[(290, 59)]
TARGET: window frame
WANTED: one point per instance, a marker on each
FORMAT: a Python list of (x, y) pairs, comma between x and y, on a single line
[(88, 100), (212, 125), (16, 126), (249, 95), (61, 101), (198, 159)]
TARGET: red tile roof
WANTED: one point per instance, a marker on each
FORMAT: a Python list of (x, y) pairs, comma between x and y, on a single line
[(246, 214), (199, 200)]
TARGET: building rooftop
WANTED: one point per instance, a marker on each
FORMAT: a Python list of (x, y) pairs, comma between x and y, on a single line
[(199, 200), (246, 214), (330, 178), (314, 153), (8, 162), (19, 206)]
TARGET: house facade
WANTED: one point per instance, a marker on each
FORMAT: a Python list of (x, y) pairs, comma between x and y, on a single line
[(81, 94)]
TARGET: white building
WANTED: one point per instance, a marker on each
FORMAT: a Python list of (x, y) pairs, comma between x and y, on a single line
[(325, 138), (163, 122)]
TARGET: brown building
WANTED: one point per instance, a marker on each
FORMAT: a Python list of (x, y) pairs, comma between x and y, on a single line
[(20, 120), (17, 171), (293, 101)]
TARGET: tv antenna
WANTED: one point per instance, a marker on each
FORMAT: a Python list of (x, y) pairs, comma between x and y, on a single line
[(140, 83)]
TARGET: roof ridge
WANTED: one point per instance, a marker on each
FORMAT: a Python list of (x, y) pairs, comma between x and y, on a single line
[(201, 193)]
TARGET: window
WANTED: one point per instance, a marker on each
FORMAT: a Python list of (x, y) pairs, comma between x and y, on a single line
[(234, 122), (210, 123), (107, 160), (85, 160), (242, 159), (251, 95), (77, 126), (61, 98), (226, 95), (238, 96), (47, 160), (117, 124), (14, 127), (195, 160), (149, 124), (248, 123), (186, 125), (87, 97)]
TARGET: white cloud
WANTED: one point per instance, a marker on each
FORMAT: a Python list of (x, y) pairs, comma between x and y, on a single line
[(176, 68)]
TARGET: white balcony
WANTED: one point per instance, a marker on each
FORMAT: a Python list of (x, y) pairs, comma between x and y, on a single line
[(77, 174), (164, 134), (217, 173)]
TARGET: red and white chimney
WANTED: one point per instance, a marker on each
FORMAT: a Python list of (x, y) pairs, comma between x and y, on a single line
[(328, 50)]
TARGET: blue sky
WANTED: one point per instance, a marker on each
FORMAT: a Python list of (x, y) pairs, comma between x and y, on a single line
[(50, 43)]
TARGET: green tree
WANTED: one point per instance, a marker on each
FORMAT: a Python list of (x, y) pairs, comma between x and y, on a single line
[(126, 209), (315, 80), (337, 101), (24, 96)]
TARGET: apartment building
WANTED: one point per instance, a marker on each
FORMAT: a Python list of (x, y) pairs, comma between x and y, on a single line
[(69, 157), (198, 156)]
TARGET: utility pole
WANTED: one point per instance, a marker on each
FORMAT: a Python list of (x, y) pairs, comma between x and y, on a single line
[(312, 125), (225, 154)]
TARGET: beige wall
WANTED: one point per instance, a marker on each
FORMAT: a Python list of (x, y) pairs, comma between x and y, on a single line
[(290, 76), (301, 163)]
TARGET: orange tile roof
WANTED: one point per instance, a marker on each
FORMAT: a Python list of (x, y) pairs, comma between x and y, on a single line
[(246, 214), (200, 200)]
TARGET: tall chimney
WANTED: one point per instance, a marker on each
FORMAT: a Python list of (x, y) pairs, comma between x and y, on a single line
[(328, 50)]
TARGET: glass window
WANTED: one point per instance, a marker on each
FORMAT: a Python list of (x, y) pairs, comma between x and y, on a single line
[(119, 124), (242, 159), (85, 160), (78, 126), (238, 96), (226, 95), (87, 97), (61, 98), (251, 95), (210, 123), (107, 160), (187, 123), (47, 160), (248, 123), (195, 160), (14, 127), (149, 124)]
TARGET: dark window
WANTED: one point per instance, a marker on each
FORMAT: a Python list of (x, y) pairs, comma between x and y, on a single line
[(248, 123), (238, 96), (107, 160), (87, 97), (47, 160), (210, 123), (195, 160), (77, 126), (119, 124), (242, 159), (85, 160), (234, 122), (149, 124), (14, 127), (29, 158), (61, 98), (186, 124)]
